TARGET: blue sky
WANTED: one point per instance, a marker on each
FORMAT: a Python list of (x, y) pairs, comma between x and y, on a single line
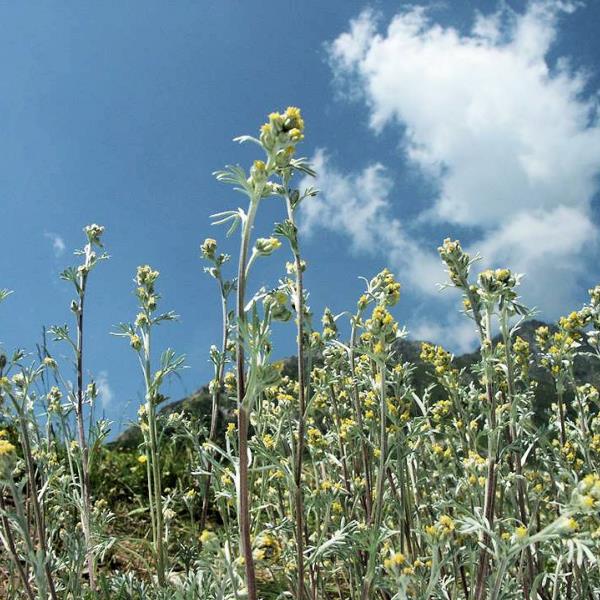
[(467, 119)]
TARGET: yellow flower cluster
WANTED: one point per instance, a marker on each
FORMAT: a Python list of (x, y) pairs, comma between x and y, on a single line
[(267, 548), (457, 261), (329, 327), (381, 325), (493, 282), (440, 409), (6, 448), (396, 559), (575, 321), (385, 287), (266, 246), (282, 132), (440, 359), (587, 494), (444, 527), (315, 438)]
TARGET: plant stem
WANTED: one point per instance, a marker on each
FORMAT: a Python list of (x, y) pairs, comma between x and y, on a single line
[(490, 490), (243, 417), (37, 511), (521, 491), (379, 485), (12, 550), (298, 496), (155, 492), (85, 474), (357, 409)]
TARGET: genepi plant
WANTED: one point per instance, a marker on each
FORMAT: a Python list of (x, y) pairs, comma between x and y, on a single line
[(218, 357), (80, 396), (16, 389), (37, 553), (139, 335), (278, 139)]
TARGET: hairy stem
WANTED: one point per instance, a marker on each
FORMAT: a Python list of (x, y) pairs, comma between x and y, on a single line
[(242, 403)]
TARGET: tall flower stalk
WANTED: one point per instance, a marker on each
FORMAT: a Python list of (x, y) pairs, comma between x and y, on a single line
[(289, 230), (139, 335), (79, 278), (278, 139), (218, 358)]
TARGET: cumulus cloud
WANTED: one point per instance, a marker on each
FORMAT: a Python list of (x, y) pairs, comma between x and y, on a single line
[(509, 137), (359, 205), (58, 244), (105, 393)]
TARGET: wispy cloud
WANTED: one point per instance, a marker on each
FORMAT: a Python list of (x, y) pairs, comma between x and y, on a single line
[(510, 139), (105, 393), (58, 243)]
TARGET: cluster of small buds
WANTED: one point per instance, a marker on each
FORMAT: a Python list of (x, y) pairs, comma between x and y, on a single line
[(382, 324), (54, 397), (146, 277), (394, 561), (457, 261), (230, 382), (6, 448), (267, 548), (315, 438), (588, 393), (497, 282), (381, 328), (266, 246), (522, 353), (7, 456), (595, 296), (440, 409), (282, 132), (574, 322), (330, 330), (472, 299), (290, 267), (558, 349), (91, 390), (208, 537), (542, 335), (443, 528), (49, 362), (587, 494), (209, 248), (276, 303), (440, 359), (19, 380), (385, 288), (94, 233), (146, 294)]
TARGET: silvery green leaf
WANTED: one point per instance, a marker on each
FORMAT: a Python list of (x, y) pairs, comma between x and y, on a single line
[(241, 139)]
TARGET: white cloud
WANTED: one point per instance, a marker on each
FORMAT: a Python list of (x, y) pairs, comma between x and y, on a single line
[(58, 244), (511, 141), (458, 333), (105, 393), (358, 205)]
